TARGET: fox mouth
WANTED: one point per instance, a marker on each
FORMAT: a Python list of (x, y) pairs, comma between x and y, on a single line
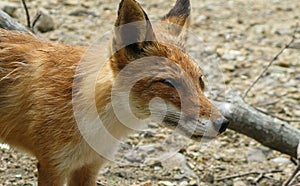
[(173, 123)]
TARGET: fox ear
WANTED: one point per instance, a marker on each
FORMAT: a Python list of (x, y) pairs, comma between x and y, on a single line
[(178, 16), (132, 35), (133, 29)]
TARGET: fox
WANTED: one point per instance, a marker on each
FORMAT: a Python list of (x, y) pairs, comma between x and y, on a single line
[(36, 91)]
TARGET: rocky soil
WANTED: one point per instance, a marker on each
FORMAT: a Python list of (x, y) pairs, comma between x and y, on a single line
[(242, 37)]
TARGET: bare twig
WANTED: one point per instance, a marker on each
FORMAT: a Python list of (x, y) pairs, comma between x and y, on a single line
[(259, 178), (274, 116), (271, 178), (248, 173), (264, 176), (35, 20), (293, 176), (271, 63), (296, 172), (294, 161), (298, 151), (27, 13)]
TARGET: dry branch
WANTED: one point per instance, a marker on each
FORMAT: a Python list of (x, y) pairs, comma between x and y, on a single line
[(271, 132), (9, 23)]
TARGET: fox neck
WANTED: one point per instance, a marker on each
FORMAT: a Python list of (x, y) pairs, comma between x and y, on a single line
[(95, 116), (104, 105)]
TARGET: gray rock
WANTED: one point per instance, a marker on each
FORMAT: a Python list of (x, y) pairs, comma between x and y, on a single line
[(45, 23), (231, 55), (133, 156), (261, 29), (166, 183), (183, 183), (284, 32), (178, 160), (4, 146), (228, 182), (281, 160), (255, 155), (193, 182), (71, 2), (9, 8), (238, 183), (83, 13), (267, 151), (147, 148), (157, 168), (104, 171), (208, 178)]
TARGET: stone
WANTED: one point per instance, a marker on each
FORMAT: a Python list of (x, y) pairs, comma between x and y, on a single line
[(4, 146), (133, 157), (157, 168), (239, 183), (83, 13), (71, 2), (147, 148), (208, 178), (281, 160), (255, 155), (231, 55), (284, 32), (10, 9), (183, 183), (193, 182), (178, 160), (45, 23), (165, 183)]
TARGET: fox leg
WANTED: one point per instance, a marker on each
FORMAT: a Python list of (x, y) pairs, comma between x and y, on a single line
[(85, 176), (49, 176)]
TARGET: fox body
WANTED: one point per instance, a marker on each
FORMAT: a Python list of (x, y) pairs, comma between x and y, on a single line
[(36, 79)]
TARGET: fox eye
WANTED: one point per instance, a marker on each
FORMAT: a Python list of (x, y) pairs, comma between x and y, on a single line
[(168, 82), (202, 84)]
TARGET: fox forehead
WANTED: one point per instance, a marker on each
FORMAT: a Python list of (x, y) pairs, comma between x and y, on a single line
[(185, 65)]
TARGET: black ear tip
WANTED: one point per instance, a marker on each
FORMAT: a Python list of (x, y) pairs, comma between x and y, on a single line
[(181, 8), (127, 2), (184, 3)]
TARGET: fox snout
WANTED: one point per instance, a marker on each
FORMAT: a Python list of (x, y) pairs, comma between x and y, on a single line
[(221, 125)]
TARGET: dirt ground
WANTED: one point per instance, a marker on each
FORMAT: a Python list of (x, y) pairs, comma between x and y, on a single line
[(242, 37)]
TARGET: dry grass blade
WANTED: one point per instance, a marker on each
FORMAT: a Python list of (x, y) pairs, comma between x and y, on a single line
[(248, 173), (271, 63), (35, 20), (298, 151), (27, 13)]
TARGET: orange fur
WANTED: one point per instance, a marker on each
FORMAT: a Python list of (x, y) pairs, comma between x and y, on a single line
[(36, 79)]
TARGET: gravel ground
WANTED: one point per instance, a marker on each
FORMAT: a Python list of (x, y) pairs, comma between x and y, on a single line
[(242, 37)]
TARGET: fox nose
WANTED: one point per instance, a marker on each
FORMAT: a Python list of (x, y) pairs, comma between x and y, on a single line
[(221, 125)]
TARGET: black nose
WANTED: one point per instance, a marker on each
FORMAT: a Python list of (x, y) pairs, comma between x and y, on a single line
[(221, 124)]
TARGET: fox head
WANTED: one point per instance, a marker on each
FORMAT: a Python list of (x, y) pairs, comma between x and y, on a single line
[(154, 58)]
